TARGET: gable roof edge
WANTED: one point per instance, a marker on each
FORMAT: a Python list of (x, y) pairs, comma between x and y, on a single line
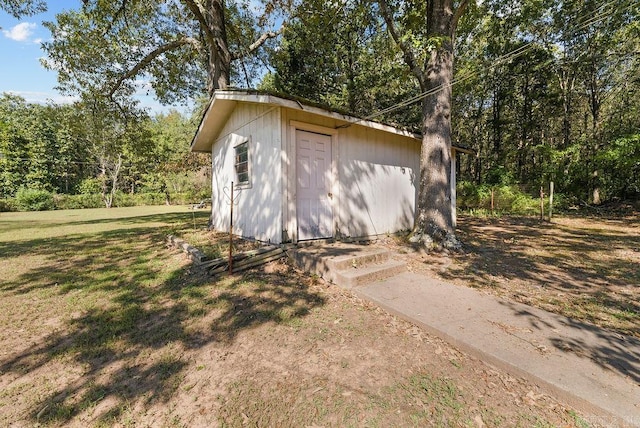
[(224, 101)]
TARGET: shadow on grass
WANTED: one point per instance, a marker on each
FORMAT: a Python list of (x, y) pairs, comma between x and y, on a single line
[(137, 309), (576, 263)]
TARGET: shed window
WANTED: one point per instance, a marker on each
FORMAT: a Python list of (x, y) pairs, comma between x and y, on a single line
[(242, 162)]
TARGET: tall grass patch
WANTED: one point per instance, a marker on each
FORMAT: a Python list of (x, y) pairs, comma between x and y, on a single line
[(507, 199)]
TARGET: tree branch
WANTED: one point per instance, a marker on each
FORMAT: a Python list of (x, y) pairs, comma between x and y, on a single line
[(458, 14), (408, 54), (199, 15), (149, 58), (259, 42), (121, 11)]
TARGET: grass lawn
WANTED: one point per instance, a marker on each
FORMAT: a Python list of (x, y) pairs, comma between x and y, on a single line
[(103, 325)]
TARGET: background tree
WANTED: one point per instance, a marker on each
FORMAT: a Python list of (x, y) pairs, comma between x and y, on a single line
[(20, 8), (94, 147), (180, 49), (115, 138), (545, 78), (543, 90), (31, 155), (354, 67), (73, 160), (177, 169), (540, 88), (14, 149)]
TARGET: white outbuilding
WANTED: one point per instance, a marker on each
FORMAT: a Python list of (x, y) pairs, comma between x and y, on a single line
[(301, 172)]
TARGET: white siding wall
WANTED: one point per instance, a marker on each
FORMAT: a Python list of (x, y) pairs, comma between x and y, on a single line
[(376, 176), (258, 213), (379, 175)]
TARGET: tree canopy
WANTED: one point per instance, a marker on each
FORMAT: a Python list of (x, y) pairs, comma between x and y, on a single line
[(20, 8), (92, 147), (178, 49), (542, 90)]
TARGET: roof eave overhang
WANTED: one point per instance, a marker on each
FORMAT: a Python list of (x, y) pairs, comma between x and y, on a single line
[(223, 103), (464, 150), (212, 123)]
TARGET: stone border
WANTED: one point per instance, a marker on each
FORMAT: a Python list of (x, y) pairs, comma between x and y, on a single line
[(193, 253)]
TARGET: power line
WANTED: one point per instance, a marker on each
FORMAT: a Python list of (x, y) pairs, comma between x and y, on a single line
[(63, 162), (596, 16), (30, 159)]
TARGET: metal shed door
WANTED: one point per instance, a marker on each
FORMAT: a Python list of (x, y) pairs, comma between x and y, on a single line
[(313, 166)]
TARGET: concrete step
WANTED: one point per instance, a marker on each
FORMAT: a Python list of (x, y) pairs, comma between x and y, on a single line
[(347, 265), (356, 276), (359, 260)]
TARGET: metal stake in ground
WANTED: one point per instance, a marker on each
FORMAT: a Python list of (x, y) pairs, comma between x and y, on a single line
[(550, 200), (231, 203), (541, 204), (231, 233)]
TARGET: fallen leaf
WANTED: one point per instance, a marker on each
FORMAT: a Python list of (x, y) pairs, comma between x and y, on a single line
[(479, 422)]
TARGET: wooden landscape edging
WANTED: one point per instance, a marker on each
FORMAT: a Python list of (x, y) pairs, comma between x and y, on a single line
[(241, 261), (245, 260)]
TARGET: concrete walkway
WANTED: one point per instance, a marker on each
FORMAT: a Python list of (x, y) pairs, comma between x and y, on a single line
[(595, 371)]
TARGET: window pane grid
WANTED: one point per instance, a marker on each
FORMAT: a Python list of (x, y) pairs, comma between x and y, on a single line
[(242, 162)]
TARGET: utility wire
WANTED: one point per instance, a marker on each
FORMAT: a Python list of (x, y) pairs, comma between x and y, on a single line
[(504, 58), (63, 162), (596, 16)]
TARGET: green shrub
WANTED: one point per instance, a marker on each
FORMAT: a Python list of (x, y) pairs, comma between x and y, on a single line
[(180, 198), (34, 200), (562, 202), (524, 204), (71, 202), (90, 186), (471, 195), (507, 199), (151, 198), (500, 176), (137, 199), (187, 198), (619, 166), (122, 199), (68, 202), (7, 205)]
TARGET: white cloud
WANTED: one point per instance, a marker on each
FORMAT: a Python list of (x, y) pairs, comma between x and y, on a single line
[(21, 32), (44, 97)]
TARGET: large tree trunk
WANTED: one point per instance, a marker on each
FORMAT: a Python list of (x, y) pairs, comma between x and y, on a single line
[(433, 214), (219, 54), (434, 218)]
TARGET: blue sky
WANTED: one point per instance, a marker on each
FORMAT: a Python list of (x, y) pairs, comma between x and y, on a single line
[(20, 70)]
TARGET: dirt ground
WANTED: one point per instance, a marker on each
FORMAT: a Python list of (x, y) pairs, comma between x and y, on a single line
[(114, 329), (583, 268), (274, 348)]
